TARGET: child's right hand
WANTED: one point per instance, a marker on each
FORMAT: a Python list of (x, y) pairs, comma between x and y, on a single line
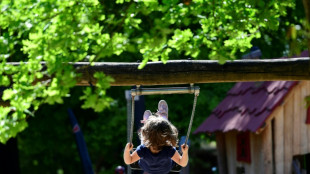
[(129, 147), (184, 148)]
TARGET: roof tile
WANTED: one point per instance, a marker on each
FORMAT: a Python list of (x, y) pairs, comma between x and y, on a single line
[(247, 106)]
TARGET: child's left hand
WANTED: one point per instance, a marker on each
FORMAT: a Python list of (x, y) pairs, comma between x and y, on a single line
[(129, 147), (184, 148)]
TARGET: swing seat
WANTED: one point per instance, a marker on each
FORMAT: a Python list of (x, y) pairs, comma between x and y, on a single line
[(135, 166), (175, 168)]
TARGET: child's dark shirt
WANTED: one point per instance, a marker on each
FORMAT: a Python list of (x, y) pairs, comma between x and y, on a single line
[(156, 163)]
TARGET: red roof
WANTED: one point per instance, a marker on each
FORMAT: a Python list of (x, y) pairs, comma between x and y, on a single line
[(247, 106)]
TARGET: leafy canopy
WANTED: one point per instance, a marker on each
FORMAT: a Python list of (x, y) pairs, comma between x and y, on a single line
[(62, 31)]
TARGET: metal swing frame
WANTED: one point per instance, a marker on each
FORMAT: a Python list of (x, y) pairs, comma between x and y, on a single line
[(165, 90)]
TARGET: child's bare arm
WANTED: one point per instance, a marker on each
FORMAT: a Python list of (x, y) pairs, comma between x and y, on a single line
[(130, 158), (181, 160)]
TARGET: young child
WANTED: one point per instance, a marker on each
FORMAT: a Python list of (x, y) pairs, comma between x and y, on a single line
[(159, 137)]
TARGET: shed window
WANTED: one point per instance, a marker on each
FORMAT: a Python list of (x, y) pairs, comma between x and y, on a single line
[(243, 147)]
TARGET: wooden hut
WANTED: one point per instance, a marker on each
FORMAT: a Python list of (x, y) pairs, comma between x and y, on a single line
[(262, 127)]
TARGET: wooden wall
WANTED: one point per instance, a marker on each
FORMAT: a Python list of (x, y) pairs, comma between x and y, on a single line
[(259, 161), (292, 134), (291, 137)]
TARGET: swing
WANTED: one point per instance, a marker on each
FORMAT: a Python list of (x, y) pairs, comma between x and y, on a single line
[(168, 90)]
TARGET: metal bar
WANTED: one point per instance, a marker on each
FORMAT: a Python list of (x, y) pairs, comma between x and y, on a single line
[(132, 117), (168, 90), (128, 98)]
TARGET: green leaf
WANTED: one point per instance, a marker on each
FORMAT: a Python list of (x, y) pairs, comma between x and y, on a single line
[(8, 94)]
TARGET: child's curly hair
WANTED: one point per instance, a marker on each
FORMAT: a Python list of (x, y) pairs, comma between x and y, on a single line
[(158, 132)]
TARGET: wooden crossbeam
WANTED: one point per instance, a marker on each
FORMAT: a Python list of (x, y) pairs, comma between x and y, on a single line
[(196, 71)]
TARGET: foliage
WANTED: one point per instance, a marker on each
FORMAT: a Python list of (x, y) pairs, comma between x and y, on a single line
[(59, 32), (298, 29), (291, 37), (48, 144)]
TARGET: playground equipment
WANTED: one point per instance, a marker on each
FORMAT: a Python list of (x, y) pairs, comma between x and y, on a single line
[(156, 91)]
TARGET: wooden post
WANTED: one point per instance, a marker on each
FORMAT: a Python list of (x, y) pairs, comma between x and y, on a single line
[(279, 141), (306, 115), (297, 121), (221, 152), (288, 135), (201, 71), (303, 113), (231, 149), (266, 143), (194, 71)]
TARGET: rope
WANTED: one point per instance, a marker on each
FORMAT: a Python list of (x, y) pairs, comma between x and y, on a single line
[(192, 118), (132, 117)]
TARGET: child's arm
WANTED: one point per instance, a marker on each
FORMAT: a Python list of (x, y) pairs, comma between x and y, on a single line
[(130, 158), (181, 160)]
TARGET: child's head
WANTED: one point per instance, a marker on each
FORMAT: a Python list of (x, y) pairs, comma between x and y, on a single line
[(158, 132)]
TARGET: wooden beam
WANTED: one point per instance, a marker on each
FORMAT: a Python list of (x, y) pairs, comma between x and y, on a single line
[(196, 71)]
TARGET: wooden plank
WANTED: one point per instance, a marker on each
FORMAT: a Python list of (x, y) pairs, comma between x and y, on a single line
[(288, 135), (297, 121), (303, 112), (248, 168), (266, 141), (256, 166), (231, 147), (221, 152), (279, 141), (194, 71)]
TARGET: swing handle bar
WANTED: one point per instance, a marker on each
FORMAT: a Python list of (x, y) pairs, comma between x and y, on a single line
[(168, 90)]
